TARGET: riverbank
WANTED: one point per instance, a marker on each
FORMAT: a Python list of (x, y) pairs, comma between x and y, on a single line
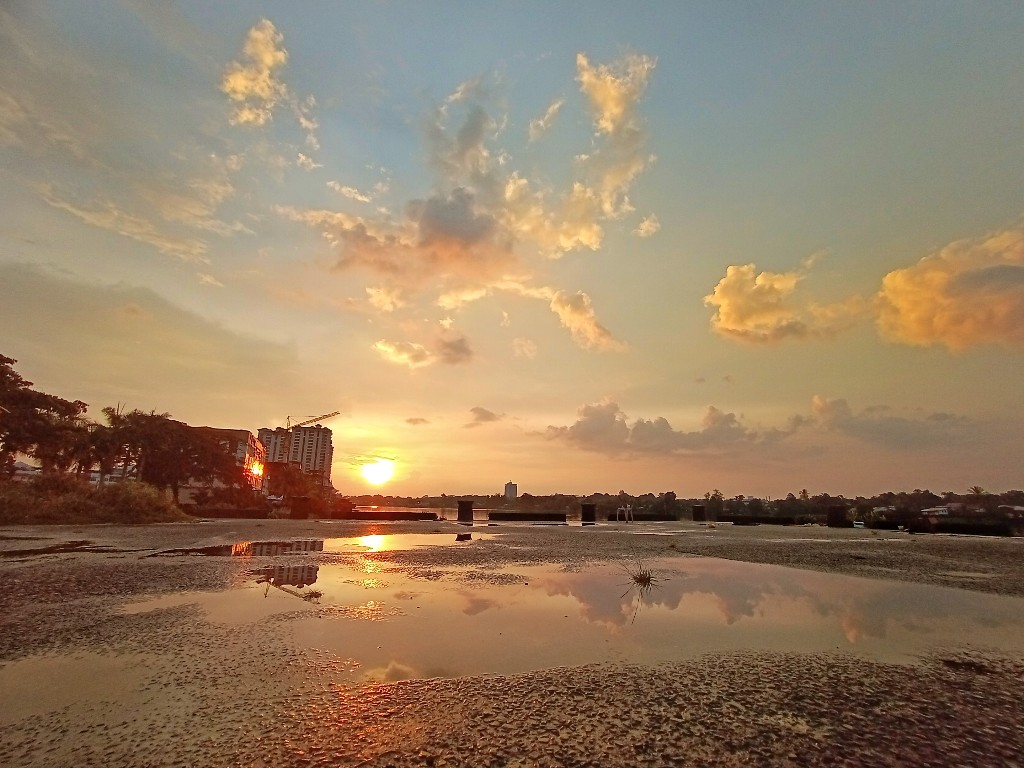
[(176, 686)]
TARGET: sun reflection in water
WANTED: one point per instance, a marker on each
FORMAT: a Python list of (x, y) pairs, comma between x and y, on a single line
[(374, 542), (371, 583)]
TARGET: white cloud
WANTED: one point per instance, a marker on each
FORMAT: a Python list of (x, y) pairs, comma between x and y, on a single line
[(541, 125), (470, 89), (109, 216), (648, 226), (350, 192), (307, 163)]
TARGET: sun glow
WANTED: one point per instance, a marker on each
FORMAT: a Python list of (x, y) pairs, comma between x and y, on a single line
[(378, 471)]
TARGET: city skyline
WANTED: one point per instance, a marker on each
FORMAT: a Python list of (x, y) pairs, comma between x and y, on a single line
[(588, 247)]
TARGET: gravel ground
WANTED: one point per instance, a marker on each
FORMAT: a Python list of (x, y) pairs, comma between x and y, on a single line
[(87, 684)]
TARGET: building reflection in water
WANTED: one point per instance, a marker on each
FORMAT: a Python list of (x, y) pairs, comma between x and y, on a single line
[(249, 549), (276, 548), (294, 575)]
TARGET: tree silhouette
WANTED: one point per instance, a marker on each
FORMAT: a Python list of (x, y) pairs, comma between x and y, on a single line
[(35, 423), (173, 453), (980, 496)]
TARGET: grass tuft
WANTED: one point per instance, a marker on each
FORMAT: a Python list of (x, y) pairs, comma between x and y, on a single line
[(641, 579)]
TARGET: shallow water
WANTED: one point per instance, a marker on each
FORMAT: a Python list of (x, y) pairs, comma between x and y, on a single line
[(387, 622)]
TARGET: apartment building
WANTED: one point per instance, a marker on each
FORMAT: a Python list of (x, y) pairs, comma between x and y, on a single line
[(311, 448)]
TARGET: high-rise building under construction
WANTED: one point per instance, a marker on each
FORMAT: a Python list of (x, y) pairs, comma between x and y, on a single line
[(311, 448)]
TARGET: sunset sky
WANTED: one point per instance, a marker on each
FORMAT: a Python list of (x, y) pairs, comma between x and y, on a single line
[(582, 246)]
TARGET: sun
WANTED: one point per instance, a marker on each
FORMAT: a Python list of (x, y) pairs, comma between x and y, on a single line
[(378, 471)]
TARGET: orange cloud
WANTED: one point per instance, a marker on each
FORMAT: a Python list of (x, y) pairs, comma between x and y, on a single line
[(256, 90), (449, 350), (970, 292), (614, 93), (478, 229), (614, 90), (404, 353), (576, 312), (253, 85), (763, 307)]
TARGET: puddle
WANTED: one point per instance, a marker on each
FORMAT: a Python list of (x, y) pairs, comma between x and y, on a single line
[(249, 549), (390, 625), (371, 543), (82, 545), (398, 542)]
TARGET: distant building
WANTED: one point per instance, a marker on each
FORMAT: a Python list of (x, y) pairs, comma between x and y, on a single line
[(249, 452), (311, 448), (511, 491), (278, 443)]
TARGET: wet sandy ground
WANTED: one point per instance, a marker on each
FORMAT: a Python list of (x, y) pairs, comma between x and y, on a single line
[(97, 686)]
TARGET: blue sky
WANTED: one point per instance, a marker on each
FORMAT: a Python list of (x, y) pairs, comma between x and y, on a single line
[(583, 247)]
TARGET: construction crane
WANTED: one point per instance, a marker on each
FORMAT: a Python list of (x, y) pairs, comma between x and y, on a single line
[(288, 421)]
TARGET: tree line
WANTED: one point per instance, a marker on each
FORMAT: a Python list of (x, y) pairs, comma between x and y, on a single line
[(801, 505), (147, 446), (166, 453)]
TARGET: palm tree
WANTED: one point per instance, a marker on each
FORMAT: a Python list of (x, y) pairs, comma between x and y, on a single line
[(980, 495), (106, 448)]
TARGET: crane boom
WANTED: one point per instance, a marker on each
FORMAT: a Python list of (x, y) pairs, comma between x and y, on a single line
[(289, 425)]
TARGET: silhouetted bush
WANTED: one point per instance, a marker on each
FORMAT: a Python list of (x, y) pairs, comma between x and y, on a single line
[(64, 499)]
